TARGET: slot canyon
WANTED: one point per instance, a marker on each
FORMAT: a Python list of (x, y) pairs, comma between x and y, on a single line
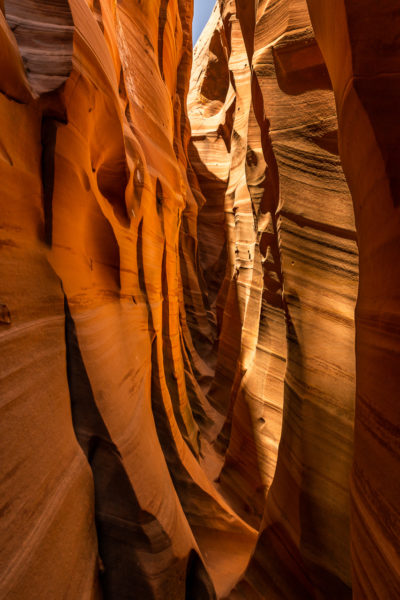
[(200, 300)]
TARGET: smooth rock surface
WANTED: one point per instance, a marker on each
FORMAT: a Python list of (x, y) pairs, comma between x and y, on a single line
[(102, 488), (361, 48), (291, 283), (188, 409)]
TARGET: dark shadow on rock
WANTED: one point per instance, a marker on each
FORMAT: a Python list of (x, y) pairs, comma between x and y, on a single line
[(130, 539)]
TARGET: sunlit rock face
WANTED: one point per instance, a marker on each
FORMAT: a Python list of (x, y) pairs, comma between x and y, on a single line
[(285, 208), (265, 149), (102, 491), (187, 411)]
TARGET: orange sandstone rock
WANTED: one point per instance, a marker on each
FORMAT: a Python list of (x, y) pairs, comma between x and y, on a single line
[(360, 44), (177, 296), (290, 289), (97, 131)]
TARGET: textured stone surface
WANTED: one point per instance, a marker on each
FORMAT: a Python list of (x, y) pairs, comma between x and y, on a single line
[(177, 345), (97, 425), (286, 334), (365, 72)]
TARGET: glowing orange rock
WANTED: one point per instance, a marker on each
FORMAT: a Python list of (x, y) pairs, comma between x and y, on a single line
[(93, 165), (176, 307), (286, 334)]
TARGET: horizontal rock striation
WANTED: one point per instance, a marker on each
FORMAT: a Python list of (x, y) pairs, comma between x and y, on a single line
[(103, 492), (189, 410), (362, 52), (280, 101)]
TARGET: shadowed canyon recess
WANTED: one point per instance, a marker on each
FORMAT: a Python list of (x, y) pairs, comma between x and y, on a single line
[(200, 300)]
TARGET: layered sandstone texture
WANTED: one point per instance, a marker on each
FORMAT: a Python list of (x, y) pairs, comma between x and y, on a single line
[(264, 147), (102, 492), (185, 414), (267, 146), (360, 43)]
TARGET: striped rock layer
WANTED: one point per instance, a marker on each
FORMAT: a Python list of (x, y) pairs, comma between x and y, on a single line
[(265, 130), (184, 411), (102, 492), (284, 94)]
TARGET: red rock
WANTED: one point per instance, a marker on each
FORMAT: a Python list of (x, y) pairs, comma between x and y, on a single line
[(95, 352), (362, 53), (177, 296), (292, 257)]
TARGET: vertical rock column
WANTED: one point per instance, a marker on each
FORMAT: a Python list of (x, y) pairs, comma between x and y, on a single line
[(291, 237), (48, 537), (104, 493), (360, 44)]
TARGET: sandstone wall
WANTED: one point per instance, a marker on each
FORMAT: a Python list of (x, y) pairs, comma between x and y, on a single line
[(360, 44), (185, 411), (102, 487), (265, 126)]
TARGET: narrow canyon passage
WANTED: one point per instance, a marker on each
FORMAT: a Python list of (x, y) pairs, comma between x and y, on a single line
[(199, 301), (277, 247)]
